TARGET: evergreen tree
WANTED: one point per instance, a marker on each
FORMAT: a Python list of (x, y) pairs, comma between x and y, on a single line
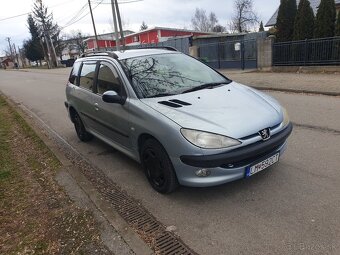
[(32, 47), (325, 19), (337, 26), (261, 29), (304, 21), (144, 26), (285, 20), (33, 51), (32, 27), (48, 28)]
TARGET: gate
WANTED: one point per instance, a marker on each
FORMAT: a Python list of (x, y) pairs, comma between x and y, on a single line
[(230, 54)]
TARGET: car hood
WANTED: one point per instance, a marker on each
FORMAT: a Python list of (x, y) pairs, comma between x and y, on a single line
[(233, 110)]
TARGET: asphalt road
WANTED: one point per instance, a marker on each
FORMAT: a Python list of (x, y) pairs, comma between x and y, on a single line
[(291, 208)]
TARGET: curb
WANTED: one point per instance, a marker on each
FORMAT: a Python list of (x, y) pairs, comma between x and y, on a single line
[(299, 91), (129, 237)]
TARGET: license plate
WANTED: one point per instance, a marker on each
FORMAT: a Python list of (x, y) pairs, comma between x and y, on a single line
[(254, 169)]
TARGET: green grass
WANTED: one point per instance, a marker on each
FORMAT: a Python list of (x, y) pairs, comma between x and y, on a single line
[(35, 211)]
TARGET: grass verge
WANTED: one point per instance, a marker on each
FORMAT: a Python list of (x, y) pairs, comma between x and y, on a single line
[(36, 215)]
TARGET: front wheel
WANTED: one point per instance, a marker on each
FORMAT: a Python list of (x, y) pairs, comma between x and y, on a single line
[(158, 167), (82, 134)]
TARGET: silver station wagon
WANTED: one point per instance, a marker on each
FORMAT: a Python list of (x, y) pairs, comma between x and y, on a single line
[(183, 121)]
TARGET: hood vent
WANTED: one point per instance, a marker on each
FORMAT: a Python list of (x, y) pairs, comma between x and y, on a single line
[(179, 102), (168, 103), (175, 103)]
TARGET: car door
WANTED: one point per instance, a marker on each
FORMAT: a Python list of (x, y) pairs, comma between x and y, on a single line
[(83, 94), (112, 119)]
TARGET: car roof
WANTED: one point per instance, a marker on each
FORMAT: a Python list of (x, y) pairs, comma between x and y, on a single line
[(130, 53)]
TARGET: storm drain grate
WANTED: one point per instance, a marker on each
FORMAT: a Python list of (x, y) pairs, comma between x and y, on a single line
[(152, 231), (139, 219)]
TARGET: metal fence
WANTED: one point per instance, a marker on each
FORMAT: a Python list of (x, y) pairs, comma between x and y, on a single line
[(313, 52), (181, 44), (230, 54)]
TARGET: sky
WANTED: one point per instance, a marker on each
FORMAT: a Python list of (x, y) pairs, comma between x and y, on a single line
[(162, 13)]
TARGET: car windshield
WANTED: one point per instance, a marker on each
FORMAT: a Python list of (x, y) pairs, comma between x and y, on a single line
[(169, 74)]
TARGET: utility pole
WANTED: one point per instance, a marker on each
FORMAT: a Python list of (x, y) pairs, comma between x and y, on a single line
[(10, 47), (21, 58), (94, 26), (54, 53), (16, 54), (114, 18), (48, 49), (120, 25)]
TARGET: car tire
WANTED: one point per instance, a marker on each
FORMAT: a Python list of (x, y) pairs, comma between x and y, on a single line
[(82, 134), (158, 167)]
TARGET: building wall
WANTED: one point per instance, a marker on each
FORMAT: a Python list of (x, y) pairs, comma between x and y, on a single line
[(147, 37)]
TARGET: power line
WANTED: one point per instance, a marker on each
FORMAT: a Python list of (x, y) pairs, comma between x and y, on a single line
[(79, 13), (65, 26), (16, 16), (124, 2), (23, 14)]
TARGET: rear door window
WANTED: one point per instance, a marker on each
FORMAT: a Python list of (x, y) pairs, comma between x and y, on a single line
[(108, 79), (87, 75)]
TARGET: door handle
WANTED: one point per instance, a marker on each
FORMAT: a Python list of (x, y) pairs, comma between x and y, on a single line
[(96, 106)]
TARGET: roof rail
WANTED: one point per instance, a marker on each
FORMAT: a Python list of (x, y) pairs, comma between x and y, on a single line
[(100, 53), (158, 47)]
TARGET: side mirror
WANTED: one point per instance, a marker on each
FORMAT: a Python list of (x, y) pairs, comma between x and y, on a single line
[(112, 97)]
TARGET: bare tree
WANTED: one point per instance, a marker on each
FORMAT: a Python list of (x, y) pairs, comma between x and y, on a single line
[(76, 37), (245, 18), (201, 22)]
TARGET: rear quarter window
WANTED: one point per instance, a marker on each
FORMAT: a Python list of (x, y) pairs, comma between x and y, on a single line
[(74, 73)]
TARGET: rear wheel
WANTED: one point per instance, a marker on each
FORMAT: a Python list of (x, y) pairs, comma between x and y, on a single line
[(82, 134), (158, 167)]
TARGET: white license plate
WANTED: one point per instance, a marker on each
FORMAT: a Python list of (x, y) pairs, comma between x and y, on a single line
[(254, 169)]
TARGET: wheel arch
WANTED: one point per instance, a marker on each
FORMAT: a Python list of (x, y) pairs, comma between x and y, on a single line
[(142, 138), (72, 112)]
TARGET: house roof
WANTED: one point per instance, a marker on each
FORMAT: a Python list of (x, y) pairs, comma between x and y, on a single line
[(129, 33), (108, 36), (314, 4)]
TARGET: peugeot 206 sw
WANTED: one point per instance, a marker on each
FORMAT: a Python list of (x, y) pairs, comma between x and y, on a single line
[(186, 123)]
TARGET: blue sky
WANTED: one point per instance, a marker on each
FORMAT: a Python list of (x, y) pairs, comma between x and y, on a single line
[(167, 13)]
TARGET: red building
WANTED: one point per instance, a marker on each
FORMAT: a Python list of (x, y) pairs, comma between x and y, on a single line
[(152, 35)]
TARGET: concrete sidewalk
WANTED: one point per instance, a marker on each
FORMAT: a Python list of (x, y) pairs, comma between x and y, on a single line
[(313, 83)]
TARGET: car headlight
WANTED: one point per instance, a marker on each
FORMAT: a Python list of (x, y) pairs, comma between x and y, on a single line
[(208, 140), (285, 117)]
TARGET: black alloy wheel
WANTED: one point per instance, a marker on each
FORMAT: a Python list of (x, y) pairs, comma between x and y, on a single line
[(82, 134), (158, 167)]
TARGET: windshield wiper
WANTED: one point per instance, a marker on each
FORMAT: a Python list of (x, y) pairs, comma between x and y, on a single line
[(205, 86), (161, 95)]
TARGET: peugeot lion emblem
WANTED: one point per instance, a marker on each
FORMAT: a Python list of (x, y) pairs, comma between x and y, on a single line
[(265, 134)]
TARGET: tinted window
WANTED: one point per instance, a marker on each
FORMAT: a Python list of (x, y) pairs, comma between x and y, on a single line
[(87, 75), (74, 73), (108, 79), (168, 74)]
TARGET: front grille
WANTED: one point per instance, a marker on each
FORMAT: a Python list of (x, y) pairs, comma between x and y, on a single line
[(249, 160), (257, 134)]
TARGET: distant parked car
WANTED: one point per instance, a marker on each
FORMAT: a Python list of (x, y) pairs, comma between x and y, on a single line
[(182, 120), (68, 62)]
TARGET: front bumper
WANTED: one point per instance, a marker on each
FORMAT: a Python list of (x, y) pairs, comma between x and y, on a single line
[(230, 166), (240, 156)]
